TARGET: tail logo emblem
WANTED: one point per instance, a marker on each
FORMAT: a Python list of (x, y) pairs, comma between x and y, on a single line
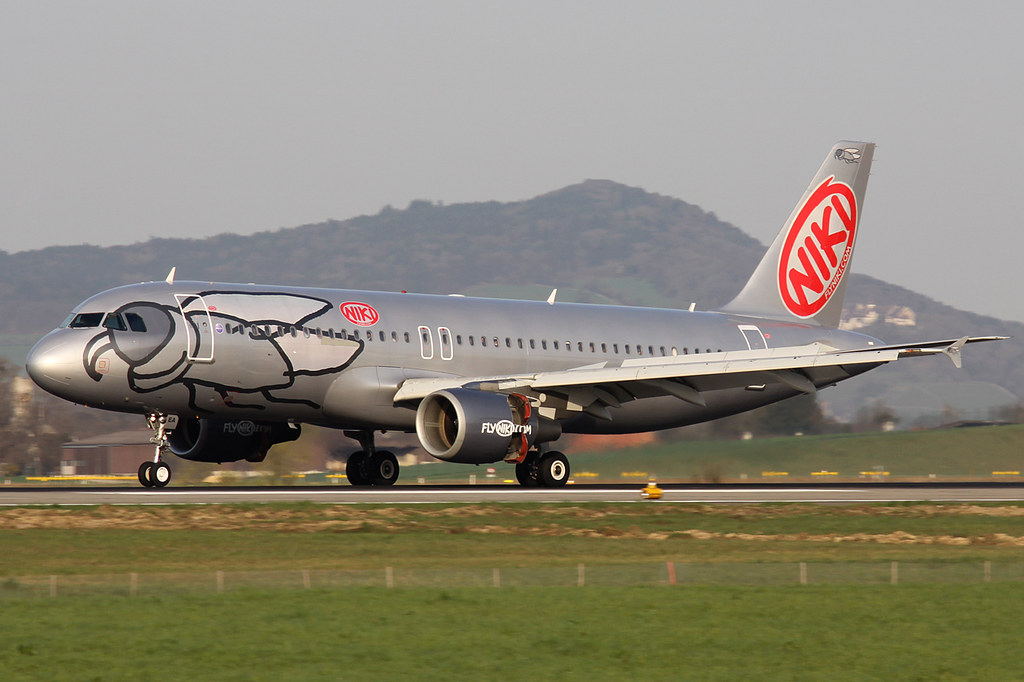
[(849, 155), (817, 248)]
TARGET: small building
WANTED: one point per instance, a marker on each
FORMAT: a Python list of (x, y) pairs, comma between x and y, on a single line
[(118, 453)]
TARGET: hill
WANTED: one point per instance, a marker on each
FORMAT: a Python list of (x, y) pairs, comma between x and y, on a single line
[(597, 241)]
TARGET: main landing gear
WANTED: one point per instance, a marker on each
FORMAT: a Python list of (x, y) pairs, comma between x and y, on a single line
[(156, 474), (370, 466), (547, 470)]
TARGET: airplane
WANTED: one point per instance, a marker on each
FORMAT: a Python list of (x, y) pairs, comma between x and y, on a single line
[(222, 372)]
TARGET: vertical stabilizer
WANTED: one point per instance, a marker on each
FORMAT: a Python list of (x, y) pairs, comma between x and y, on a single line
[(803, 276)]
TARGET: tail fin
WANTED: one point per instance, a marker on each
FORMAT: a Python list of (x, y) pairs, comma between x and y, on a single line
[(803, 276)]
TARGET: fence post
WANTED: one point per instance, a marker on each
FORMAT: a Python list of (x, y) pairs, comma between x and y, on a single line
[(389, 576), (803, 573), (671, 572), (305, 578), (580, 575), (133, 584), (988, 571), (497, 577), (894, 573), (53, 586), (220, 582)]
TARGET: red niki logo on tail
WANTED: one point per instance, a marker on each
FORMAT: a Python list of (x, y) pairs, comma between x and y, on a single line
[(817, 248)]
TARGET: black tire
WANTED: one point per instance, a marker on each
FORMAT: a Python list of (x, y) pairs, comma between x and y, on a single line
[(145, 472), (355, 469), (553, 470), (160, 474), (382, 468), (526, 471)]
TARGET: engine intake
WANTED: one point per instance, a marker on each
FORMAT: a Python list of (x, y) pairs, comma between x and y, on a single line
[(228, 440), (476, 427)]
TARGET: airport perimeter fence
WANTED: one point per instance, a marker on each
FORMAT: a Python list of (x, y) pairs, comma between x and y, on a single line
[(620, 575)]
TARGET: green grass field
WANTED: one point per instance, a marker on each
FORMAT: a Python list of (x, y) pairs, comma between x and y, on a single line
[(943, 454), (921, 632), (941, 622)]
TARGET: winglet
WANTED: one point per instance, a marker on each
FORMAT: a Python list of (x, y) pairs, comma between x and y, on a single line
[(952, 351), (551, 298), (170, 275)]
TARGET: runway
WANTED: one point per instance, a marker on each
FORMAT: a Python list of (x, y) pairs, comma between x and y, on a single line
[(702, 494)]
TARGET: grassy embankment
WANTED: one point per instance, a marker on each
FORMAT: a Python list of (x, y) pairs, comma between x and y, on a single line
[(45, 541)]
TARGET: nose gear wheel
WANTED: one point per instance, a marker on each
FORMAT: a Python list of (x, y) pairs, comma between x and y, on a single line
[(156, 474)]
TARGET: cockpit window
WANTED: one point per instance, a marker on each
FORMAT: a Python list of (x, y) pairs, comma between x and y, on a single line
[(84, 320), (114, 321), (135, 322)]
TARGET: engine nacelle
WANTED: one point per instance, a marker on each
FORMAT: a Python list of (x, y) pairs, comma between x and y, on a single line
[(476, 427), (228, 440)]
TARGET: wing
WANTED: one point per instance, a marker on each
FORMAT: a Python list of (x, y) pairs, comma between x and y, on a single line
[(592, 389)]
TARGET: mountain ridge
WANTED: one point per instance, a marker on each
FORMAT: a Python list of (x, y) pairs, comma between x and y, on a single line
[(596, 241)]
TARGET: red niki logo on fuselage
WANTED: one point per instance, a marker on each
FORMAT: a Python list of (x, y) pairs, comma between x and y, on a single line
[(360, 314), (817, 249)]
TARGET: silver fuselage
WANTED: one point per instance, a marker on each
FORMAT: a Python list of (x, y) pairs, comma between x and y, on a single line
[(300, 354)]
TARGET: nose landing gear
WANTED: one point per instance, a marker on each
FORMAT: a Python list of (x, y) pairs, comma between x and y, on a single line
[(156, 474)]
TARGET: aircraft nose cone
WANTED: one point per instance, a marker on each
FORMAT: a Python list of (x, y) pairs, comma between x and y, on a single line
[(52, 363)]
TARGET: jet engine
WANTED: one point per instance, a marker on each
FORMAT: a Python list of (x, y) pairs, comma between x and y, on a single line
[(228, 440), (476, 427)]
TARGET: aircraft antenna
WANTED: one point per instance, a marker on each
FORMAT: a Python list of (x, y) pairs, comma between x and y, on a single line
[(170, 275)]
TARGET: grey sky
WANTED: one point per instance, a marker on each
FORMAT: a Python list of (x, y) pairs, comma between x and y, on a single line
[(127, 120)]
